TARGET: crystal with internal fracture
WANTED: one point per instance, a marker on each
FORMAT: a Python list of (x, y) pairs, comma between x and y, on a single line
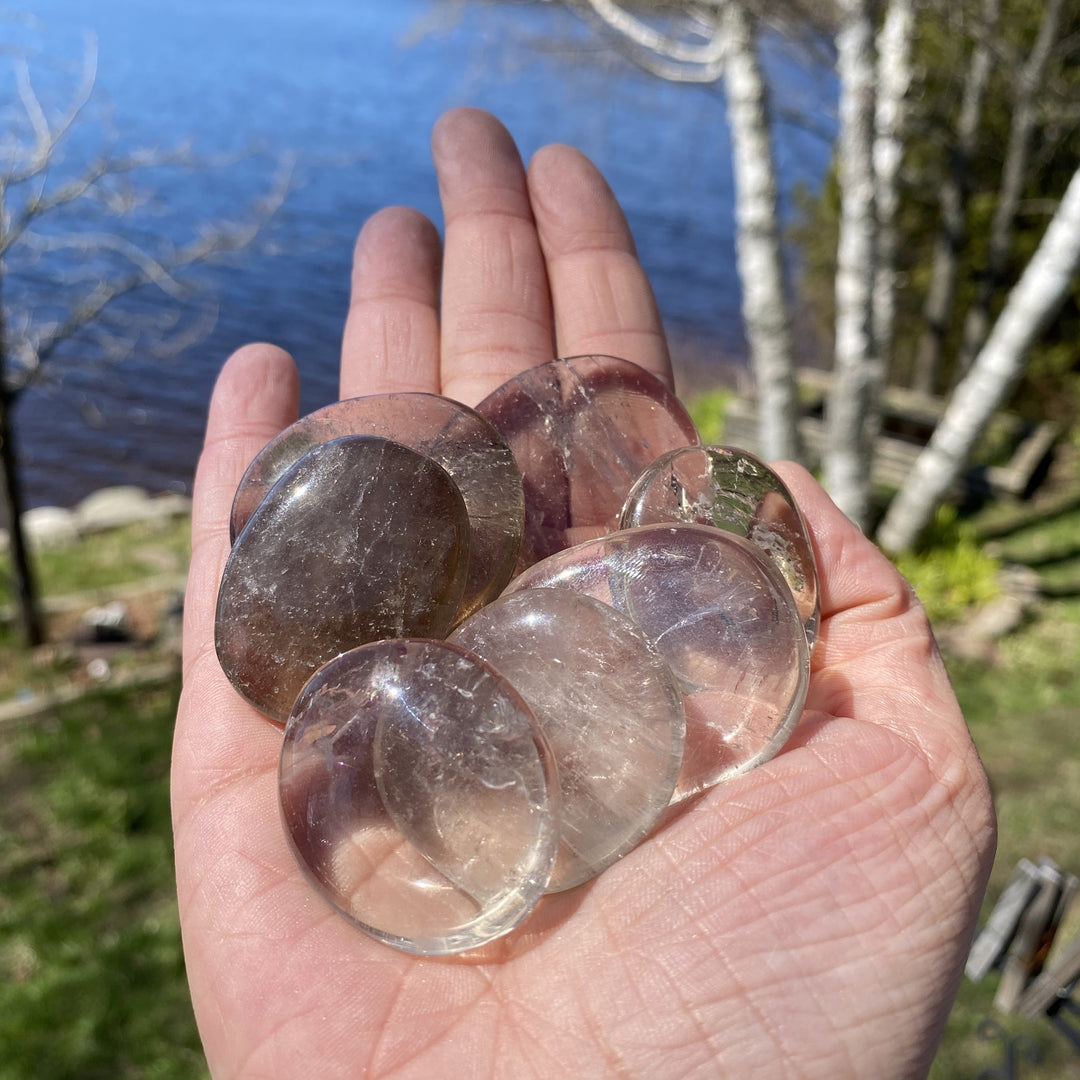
[(731, 489), (608, 706), (582, 430), (722, 617)]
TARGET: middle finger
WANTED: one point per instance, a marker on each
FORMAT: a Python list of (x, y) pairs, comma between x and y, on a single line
[(496, 306)]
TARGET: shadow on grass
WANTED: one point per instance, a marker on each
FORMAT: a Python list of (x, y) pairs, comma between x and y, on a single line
[(91, 970)]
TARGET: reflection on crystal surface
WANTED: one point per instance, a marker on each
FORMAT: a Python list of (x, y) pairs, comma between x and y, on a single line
[(361, 539), (418, 795), (722, 617), (730, 489), (457, 437), (582, 430), (608, 706)]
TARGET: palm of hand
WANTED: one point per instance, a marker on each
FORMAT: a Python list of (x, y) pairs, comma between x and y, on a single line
[(808, 918)]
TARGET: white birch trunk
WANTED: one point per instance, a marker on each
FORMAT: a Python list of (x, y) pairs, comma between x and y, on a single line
[(894, 81), (1030, 308), (857, 375), (764, 302)]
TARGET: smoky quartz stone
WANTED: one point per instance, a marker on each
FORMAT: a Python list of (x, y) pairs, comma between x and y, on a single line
[(361, 539), (457, 437)]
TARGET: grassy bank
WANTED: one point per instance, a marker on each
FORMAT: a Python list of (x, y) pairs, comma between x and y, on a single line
[(91, 970)]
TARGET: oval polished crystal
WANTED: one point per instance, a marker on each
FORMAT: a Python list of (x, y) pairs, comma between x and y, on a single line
[(608, 706), (582, 430), (418, 796), (361, 539), (457, 437), (722, 617), (732, 490)]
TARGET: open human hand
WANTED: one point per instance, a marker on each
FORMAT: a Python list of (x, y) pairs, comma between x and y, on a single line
[(809, 918)]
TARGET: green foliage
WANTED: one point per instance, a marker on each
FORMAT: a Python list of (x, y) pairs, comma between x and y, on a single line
[(91, 969), (708, 410), (952, 572)]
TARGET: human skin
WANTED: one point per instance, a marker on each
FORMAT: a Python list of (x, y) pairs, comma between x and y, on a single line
[(807, 919)]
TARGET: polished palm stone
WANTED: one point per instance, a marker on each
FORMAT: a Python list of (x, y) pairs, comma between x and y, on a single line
[(361, 539), (608, 706), (582, 430), (722, 617), (733, 490), (457, 437), (418, 796)]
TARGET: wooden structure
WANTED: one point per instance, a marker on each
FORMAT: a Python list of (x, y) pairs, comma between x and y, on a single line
[(908, 419)]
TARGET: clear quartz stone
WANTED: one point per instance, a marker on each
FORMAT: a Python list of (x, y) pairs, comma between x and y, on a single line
[(724, 619), (582, 430), (731, 489), (608, 706), (418, 795)]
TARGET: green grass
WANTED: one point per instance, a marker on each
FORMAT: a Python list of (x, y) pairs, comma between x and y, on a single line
[(101, 560), (1022, 711), (91, 970)]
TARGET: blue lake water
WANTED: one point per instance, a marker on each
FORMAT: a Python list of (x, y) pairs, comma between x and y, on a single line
[(352, 88)]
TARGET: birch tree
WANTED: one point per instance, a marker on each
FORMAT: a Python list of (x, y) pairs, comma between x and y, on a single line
[(719, 41), (1029, 310), (72, 248), (893, 83), (858, 374)]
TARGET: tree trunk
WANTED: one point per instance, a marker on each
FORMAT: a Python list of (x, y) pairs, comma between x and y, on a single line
[(1013, 173), (760, 265), (11, 501), (1030, 308), (893, 83), (938, 306), (857, 373)]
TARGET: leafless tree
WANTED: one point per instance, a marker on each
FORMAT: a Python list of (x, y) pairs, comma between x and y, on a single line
[(71, 251)]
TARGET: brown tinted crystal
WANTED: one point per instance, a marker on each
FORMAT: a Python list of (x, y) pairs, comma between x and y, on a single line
[(457, 437), (361, 539)]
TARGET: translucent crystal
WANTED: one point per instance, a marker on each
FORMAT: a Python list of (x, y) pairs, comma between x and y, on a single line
[(608, 706), (361, 539), (733, 490), (582, 430), (722, 617), (457, 437), (418, 796)]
